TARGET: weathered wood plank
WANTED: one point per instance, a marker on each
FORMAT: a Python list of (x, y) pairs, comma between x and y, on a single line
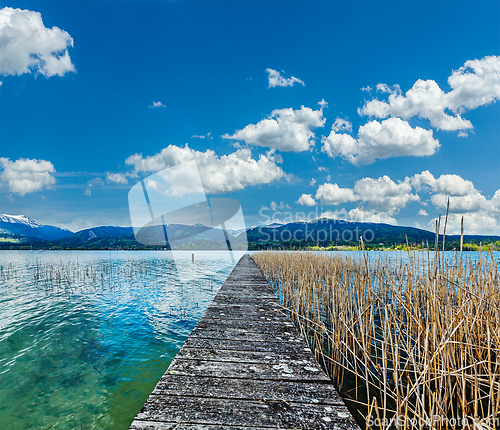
[(230, 412), (244, 345), (294, 370), (244, 366), (247, 389), (223, 355), (156, 425)]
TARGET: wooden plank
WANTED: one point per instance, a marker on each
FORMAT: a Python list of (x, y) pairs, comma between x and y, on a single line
[(244, 366), (156, 425), (244, 345), (293, 370), (231, 412), (269, 357), (248, 389)]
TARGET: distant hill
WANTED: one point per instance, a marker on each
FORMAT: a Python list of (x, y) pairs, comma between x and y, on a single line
[(21, 225), (15, 232), (327, 232), (124, 238)]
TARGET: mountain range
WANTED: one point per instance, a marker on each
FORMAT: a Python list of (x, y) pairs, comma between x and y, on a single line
[(21, 232), (21, 225)]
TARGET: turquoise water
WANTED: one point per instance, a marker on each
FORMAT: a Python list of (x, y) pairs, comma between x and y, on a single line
[(85, 336)]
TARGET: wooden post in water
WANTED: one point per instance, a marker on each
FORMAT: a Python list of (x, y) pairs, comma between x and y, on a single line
[(192, 258)]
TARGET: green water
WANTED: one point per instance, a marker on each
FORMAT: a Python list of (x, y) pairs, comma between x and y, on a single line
[(85, 336)]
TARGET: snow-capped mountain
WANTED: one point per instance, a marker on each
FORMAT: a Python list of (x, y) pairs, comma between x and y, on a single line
[(24, 226)]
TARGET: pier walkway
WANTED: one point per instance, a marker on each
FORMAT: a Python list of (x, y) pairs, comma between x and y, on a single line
[(244, 366)]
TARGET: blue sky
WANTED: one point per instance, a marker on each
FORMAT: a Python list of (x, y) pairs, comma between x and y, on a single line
[(69, 122)]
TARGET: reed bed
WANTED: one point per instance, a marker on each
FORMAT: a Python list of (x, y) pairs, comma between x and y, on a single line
[(74, 274), (408, 344)]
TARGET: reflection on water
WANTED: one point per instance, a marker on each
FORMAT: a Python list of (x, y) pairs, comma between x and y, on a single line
[(85, 336)]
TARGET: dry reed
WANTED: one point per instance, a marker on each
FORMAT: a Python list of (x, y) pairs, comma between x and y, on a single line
[(415, 342)]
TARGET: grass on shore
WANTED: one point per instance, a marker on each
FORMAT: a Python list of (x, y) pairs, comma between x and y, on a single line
[(413, 340)]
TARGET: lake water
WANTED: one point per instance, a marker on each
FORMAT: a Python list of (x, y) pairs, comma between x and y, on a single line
[(85, 336)]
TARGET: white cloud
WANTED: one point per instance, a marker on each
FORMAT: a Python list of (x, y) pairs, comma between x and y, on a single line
[(423, 212), (306, 200), (367, 89), (276, 80), (157, 105), (26, 45), (96, 182), (382, 198), (312, 182), (475, 84), (480, 214), (285, 130), (383, 88), (27, 176), (460, 204), (87, 192), (474, 223), (207, 136), (452, 185), (382, 194), (282, 206), (323, 104), (117, 178), (360, 215), (390, 138), (341, 125), (219, 174), (332, 194)]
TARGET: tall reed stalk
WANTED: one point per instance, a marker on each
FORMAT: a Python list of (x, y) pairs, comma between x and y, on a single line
[(412, 340)]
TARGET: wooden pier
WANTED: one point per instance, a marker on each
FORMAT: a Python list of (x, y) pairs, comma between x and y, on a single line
[(244, 366)]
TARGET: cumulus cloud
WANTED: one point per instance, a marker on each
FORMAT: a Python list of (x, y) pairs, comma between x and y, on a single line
[(341, 125), (306, 200), (323, 104), (382, 198), (26, 45), (332, 194), (476, 83), (392, 137), (27, 175), (464, 197), (360, 215), (366, 89), (157, 105), (117, 178), (481, 215), (382, 194), (423, 212), (219, 174), (285, 130), (452, 185), (384, 88), (276, 80)]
